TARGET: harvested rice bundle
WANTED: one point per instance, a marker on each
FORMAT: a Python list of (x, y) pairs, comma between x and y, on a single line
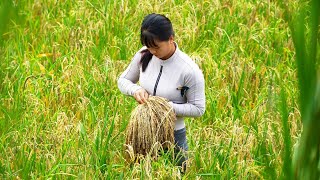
[(151, 127)]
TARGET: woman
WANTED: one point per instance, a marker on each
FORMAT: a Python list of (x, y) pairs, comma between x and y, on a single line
[(162, 69)]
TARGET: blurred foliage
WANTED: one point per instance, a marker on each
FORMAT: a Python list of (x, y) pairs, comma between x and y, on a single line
[(304, 26)]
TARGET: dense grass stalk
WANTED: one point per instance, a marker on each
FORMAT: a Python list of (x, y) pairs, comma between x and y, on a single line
[(305, 33), (286, 155)]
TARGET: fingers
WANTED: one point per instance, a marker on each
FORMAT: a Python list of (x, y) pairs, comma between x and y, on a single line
[(146, 96), (141, 96)]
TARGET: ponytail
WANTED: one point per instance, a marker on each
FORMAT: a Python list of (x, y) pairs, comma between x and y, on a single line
[(145, 59)]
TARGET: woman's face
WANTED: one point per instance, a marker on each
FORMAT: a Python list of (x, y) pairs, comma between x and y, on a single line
[(164, 49)]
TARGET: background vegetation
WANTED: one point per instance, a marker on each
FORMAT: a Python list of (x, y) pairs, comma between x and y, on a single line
[(62, 115)]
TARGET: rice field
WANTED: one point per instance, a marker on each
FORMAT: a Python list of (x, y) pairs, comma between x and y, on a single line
[(63, 117)]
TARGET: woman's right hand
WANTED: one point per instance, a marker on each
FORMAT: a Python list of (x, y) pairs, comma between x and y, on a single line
[(141, 96)]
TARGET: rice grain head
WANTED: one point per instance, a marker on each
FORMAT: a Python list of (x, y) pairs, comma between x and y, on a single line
[(151, 127)]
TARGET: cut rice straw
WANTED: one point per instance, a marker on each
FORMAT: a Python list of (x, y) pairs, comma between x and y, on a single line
[(151, 127)]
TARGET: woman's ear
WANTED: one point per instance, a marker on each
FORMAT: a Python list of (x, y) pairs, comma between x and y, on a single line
[(171, 39)]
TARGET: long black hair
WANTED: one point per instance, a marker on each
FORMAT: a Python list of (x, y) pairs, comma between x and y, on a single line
[(155, 27)]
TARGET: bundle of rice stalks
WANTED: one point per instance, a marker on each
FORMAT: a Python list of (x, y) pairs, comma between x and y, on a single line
[(150, 128)]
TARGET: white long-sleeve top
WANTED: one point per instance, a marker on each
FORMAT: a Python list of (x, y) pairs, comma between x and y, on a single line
[(165, 78)]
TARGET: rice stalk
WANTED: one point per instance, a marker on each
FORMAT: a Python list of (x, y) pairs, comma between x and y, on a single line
[(150, 128), (306, 157)]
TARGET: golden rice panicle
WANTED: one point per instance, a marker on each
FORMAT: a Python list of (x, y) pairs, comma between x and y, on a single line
[(151, 127)]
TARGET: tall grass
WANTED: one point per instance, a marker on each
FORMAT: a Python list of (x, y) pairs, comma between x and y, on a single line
[(304, 26), (62, 115)]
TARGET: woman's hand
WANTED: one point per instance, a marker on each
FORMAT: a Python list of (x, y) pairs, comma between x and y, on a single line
[(141, 95)]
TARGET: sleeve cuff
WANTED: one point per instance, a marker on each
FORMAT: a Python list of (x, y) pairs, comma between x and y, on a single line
[(172, 105), (134, 89)]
